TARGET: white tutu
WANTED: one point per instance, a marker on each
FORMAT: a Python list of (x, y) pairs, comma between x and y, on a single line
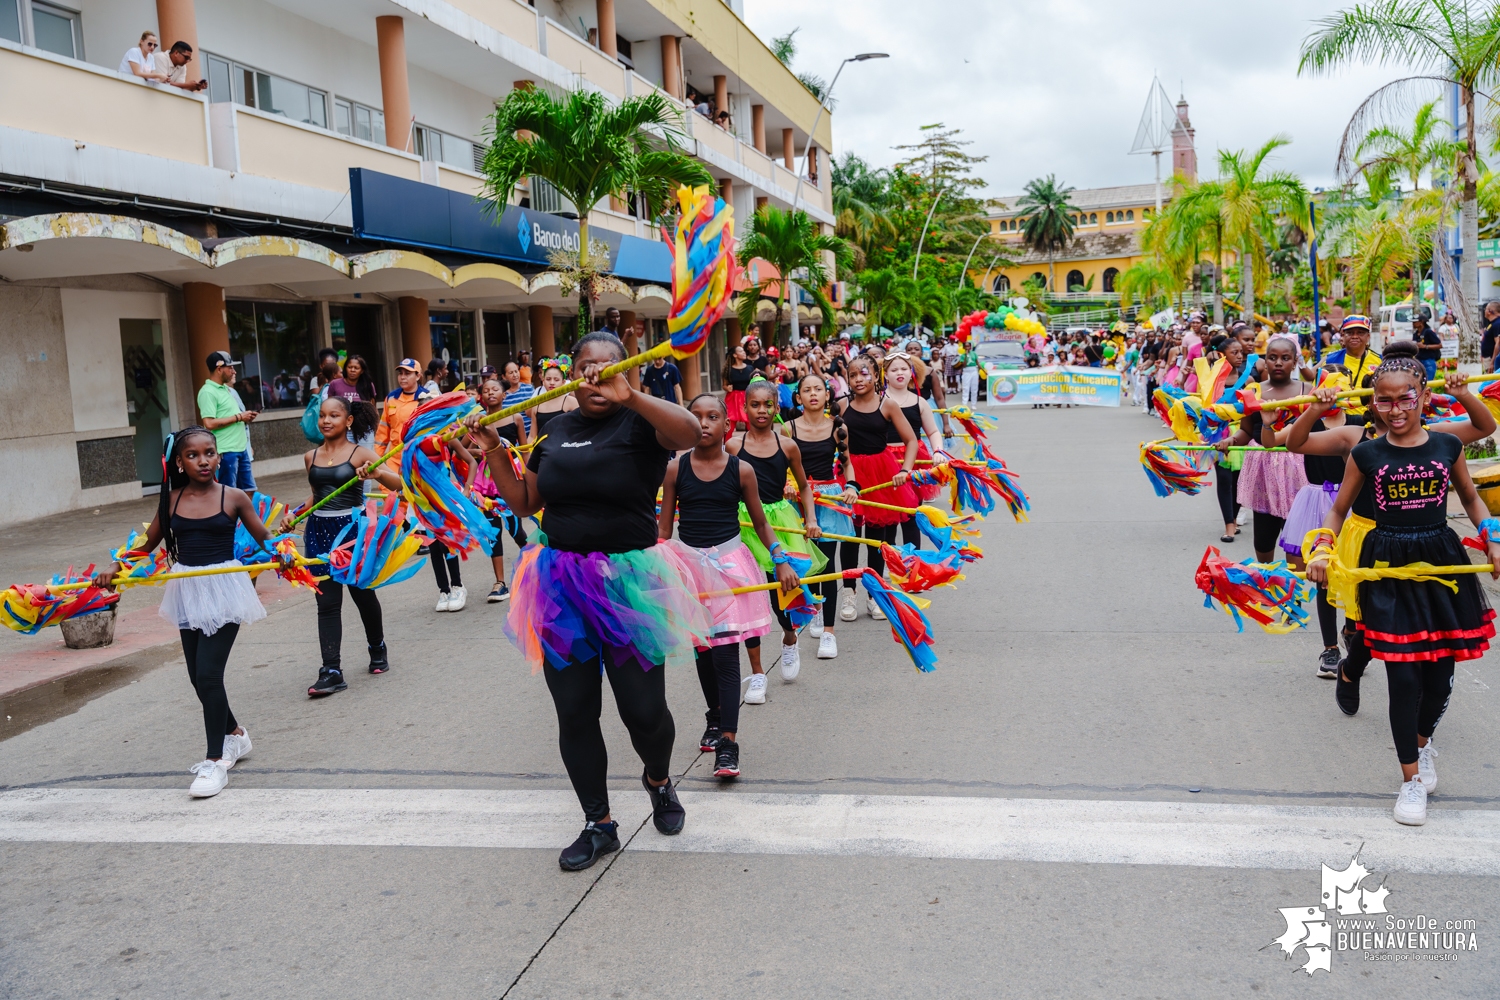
[(208, 603)]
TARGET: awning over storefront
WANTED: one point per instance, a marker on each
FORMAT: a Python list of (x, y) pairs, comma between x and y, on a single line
[(397, 210)]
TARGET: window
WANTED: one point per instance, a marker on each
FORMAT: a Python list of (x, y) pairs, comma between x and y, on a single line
[(1039, 278), (453, 343), (231, 81), (1093, 218), (10, 20), (1075, 281), (1002, 284), (275, 343), (445, 148), (1110, 274), (1109, 217), (56, 30), (1130, 215), (357, 120)]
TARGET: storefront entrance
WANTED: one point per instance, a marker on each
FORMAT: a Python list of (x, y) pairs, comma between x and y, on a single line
[(145, 394)]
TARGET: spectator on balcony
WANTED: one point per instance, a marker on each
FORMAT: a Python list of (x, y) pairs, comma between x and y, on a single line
[(141, 61), (722, 120), (176, 68)]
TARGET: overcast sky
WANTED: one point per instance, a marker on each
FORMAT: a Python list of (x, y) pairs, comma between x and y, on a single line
[(1058, 86)]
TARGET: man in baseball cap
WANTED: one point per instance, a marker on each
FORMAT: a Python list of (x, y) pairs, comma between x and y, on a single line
[(400, 405), (221, 411)]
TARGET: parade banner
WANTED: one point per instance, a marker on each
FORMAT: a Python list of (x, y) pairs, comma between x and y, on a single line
[(1055, 384)]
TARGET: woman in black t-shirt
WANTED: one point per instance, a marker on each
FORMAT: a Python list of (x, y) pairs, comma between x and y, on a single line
[(601, 596)]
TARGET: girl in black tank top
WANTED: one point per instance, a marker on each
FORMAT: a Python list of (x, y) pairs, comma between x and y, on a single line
[(771, 456), (553, 376), (329, 466), (706, 490), (195, 521), (824, 442)]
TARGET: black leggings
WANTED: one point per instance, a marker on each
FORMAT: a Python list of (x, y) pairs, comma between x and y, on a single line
[(1359, 654), (331, 619), (1267, 532), (829, 589), (512, 526), (1419, 696), (1328, 620), (640, 695), (1227, 485), (719, 675), (207, 656), (849, 551), (444, 566)]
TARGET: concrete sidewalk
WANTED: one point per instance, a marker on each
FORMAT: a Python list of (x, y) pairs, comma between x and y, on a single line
[(40, 678)]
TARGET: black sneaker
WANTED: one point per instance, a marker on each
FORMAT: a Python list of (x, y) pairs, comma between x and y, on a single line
[(330, 679), (596, 840), (666, 812), (379, 664), (710, 741), (1346, 693), (727, 760), (1328, 663)]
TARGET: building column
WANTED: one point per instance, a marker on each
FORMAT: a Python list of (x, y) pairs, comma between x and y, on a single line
[(671, 66), (416, 330), (761, 201), (395, 91), (177, 21), (758, 126), (632, 341), (692, 378), (726, 190), (731, 333), (721, 94), (207, 328), (812, 164), (788, 147), (604, 11), (543, 337)]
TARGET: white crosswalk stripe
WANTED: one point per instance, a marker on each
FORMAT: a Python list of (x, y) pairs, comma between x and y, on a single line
[(1458, 841)]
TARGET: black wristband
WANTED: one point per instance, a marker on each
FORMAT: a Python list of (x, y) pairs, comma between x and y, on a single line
[(849, 483)]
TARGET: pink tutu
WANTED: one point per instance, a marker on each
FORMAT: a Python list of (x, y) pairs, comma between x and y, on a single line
[(736, 617), (1270, 481), (1312, 505)]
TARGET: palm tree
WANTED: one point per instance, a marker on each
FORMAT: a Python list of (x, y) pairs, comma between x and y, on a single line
[(1185, 230), (861, 202), (888, 295), (1387, 151), (1049, 218), (1252, 205), (589, 149), (789, 241), (1449, 42), (1148, 282)]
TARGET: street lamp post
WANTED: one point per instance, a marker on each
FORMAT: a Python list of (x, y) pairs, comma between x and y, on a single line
[(791, 286)]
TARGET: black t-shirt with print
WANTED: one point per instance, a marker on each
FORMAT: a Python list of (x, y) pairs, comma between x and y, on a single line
[(598, 479), (1409, 485)]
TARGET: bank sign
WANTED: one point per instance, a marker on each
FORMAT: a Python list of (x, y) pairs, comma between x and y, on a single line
[(408, 212)]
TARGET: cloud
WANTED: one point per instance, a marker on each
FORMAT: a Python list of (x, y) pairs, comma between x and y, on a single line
[(1058, 87)]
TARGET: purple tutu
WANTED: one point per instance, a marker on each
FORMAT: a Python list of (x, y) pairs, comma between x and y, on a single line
[(1311, 506)]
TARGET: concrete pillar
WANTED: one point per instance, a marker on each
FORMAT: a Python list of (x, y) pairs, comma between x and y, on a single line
[(731, 333), (632, 341), (726, 190), (671, 66), (416, 331), (788, 147), (692, 378), (543, 338), (761, 201), (721, 94), (758, 126), (395, 92), (177, 21), (812, 163), (604, 10), (207, 328)]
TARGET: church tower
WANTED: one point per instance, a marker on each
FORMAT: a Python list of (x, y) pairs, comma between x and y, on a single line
[(1184, 154)]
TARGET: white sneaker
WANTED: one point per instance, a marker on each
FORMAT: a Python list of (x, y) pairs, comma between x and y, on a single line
[(815, 629), (236, 748), (828, 647), (442, 602), (1244, 516), (756, 693), (847, 609), (1426, 770), (211, 778), (874, 609), (1411, 803), (791, 663), (457, 598)]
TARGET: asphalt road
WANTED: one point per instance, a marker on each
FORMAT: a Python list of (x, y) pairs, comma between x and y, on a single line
[(1103, 791)]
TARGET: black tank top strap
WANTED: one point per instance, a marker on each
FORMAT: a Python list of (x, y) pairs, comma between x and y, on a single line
[(770, 472), (203, 541), (867, 431), (708, 512)]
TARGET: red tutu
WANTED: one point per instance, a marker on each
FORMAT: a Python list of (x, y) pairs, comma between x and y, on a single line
[(898, 451), (734, 407), (872, 470)]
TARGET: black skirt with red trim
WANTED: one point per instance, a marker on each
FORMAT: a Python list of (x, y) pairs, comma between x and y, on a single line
[(1405, 621)]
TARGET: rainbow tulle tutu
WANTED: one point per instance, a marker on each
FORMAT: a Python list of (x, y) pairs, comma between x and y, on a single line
[(639, 607)]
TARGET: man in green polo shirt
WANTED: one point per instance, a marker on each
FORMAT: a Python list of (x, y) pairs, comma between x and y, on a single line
[(221, 411)]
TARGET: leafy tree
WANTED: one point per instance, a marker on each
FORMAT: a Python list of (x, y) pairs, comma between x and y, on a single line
[(1388, 152), (789, 241), (939, 212), (1048, 226), (861, 202), (889, 295), (1451, 42), (1148, 282), (589, 149)]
